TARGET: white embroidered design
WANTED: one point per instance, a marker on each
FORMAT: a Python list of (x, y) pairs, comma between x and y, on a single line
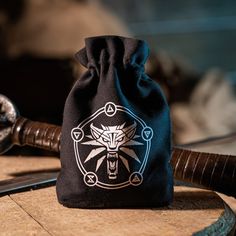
[(110, 160)]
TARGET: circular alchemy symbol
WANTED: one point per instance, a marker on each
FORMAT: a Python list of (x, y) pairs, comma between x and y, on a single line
[(112, 147)]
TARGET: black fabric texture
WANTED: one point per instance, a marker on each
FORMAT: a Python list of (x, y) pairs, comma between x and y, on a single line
[(116, 132)]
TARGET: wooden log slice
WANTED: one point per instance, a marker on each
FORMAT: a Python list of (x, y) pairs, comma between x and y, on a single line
[(193, 212)]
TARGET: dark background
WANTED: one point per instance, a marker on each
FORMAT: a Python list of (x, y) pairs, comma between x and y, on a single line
[(202, 32)]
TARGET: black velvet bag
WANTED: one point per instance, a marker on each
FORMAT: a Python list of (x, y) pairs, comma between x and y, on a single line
[(116, 140)]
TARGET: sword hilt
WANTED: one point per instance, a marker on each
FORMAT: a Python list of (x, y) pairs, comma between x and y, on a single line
[(36, 134), (208, 170)]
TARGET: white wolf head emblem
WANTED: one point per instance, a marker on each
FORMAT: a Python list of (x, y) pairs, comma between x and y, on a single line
[(113, 139)]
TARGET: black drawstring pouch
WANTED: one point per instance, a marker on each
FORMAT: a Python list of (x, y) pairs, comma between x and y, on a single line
[(116, 140)]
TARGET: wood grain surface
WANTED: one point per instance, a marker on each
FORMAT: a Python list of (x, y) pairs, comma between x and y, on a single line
[(38, 212)]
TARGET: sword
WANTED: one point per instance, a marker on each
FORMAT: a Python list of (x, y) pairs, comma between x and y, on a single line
[(28, 182), (206, 170)]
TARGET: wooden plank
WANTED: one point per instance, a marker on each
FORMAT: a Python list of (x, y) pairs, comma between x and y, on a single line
[(192, 211), (38, 212), (230, 201), (15, 221), (12, 166)]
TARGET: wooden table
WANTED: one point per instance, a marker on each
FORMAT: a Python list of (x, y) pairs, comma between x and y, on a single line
[(38, 212)]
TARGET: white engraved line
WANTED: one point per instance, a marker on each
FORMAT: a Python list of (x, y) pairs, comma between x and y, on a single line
[(126, 110), (132, 114), (195, 165), (80, 166), (94, 152), (114, 185), (204, 168), (118, 187), (125, 162), (130, 152), (141, 170), (213, 171), (93, 116), (99, 162)]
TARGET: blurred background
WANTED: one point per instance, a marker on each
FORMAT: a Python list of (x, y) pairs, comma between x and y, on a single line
[(193, 56), (202, 32)]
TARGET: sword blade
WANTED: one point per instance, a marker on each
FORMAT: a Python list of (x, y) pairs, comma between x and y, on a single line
[(28, 182)]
